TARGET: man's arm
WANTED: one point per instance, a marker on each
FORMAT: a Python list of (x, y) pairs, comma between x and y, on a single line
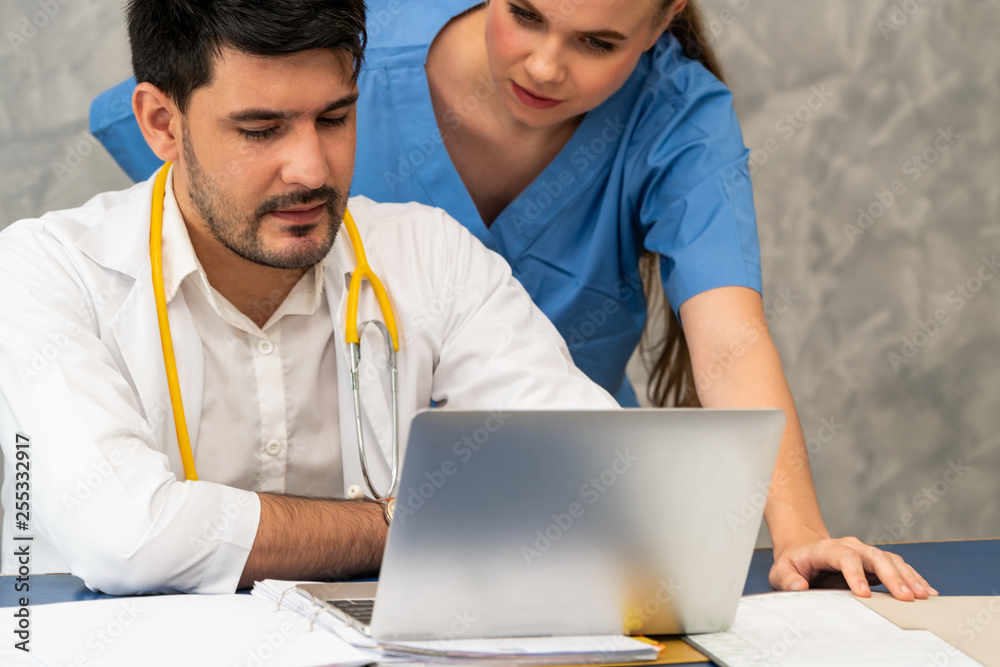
[(309, 538), (729, 322)]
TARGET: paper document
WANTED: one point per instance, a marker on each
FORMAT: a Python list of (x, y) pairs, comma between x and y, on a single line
[(518, 650), (531, 650), (821, 628), (968, 622), (171, 630)]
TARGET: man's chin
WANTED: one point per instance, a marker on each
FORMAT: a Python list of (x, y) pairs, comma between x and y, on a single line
[(298, 252)]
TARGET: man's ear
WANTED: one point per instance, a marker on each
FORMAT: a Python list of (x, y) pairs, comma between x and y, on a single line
[(159, 120)]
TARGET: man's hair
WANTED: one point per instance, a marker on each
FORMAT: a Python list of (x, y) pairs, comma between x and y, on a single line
[(175, 42)]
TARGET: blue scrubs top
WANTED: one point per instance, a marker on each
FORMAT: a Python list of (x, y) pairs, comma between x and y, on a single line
[(660, 166)]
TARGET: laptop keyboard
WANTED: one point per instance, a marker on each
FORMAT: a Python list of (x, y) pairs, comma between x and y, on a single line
[(359, 609)]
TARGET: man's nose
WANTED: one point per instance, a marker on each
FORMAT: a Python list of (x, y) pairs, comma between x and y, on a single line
[(305, 160)]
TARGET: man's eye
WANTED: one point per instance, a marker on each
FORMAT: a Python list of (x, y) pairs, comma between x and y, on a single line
[(258, 134), (339, 121), (523, 16)]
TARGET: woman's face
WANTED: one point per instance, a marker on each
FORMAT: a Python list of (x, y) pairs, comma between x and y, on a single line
[(553, 60)]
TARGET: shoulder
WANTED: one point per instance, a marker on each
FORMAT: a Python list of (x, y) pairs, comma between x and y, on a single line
[(415, 242), (682, 124), (68, 227), (666, 70), (64, 260), (677, 98), (397, 24), (404, 224)]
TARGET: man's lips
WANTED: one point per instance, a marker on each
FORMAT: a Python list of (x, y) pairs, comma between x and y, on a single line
[(299, 215), (532, 99)]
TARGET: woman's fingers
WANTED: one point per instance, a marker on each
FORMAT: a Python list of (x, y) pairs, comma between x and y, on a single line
[(861, 565), (784, 577)]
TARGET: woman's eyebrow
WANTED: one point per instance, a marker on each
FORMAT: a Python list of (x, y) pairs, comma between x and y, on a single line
[(604, 34), (608, 34)]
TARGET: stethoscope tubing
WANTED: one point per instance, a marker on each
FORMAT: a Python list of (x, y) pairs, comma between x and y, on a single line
[(387, 328)]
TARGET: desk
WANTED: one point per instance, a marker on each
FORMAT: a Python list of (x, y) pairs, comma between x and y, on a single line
[(968, 567)]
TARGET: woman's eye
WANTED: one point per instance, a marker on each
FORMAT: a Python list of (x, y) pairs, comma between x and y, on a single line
[(523, 16), (598, 45)]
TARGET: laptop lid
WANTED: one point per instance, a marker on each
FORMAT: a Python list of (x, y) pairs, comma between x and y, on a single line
[(574, 522)]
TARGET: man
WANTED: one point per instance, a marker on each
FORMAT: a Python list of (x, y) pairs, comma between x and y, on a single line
[(254, 104)]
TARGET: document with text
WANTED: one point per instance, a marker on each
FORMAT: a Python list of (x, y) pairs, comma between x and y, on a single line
[(820, 629)]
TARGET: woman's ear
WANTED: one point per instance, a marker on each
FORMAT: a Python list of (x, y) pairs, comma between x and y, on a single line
[(159, 120), (675, 8)]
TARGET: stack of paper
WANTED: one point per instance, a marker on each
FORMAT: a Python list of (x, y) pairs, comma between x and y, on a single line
[(821, 628), (522, 650), (528, 650)]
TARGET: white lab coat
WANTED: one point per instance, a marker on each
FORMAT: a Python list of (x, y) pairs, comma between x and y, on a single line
[(82, 375)]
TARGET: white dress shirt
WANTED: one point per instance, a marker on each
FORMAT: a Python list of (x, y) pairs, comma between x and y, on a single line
[(261, 427), (82, 376)]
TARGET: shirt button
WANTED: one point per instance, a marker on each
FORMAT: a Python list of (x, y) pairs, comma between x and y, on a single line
[(273, 448), (265, 347)]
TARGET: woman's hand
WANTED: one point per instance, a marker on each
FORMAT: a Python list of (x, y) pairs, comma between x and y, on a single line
[(824, 562)]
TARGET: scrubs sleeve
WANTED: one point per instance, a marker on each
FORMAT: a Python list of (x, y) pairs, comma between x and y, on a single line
[(693, 192), (113, 123), (497, 348), (101, 493)]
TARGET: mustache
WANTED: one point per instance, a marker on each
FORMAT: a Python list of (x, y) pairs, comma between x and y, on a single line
[(327, 195)]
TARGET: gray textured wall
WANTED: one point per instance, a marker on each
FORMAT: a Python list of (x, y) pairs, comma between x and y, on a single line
[(898, 76), (841, 296)]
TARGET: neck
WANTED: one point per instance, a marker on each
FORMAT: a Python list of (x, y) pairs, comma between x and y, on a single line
[(255, 290)]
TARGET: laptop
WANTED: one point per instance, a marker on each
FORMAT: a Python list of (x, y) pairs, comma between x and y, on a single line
[(550, 523)]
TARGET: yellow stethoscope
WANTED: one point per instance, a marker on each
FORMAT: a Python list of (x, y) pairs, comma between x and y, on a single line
[(387, 328)]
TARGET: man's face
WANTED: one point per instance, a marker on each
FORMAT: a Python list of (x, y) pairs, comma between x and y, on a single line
[(268, 154)]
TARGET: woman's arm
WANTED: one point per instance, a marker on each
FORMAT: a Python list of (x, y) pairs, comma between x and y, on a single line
[(736, 365)]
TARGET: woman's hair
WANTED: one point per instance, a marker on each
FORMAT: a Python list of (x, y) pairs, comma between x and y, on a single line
[(671, 377)]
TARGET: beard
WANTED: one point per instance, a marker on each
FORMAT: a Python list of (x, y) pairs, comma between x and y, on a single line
[(240, 231)]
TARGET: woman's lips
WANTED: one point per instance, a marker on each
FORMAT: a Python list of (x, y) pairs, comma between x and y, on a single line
[(532, 100), (300, 217)]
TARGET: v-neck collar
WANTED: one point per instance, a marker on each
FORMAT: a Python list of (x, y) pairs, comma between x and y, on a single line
[(528, 215)]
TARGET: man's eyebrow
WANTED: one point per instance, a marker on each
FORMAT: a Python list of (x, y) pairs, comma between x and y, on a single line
[(259, 114), (606, 34)]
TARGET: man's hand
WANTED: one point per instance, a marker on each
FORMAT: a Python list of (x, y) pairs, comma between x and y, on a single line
[(312, 538), (819, 562)]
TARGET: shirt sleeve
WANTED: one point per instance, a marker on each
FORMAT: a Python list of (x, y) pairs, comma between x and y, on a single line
[(691, 185), (102, 491)]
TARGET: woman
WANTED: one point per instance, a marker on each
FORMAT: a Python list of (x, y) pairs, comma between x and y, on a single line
[(577, 137)]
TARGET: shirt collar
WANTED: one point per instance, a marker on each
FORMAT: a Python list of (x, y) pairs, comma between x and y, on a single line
[(179, 259)]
